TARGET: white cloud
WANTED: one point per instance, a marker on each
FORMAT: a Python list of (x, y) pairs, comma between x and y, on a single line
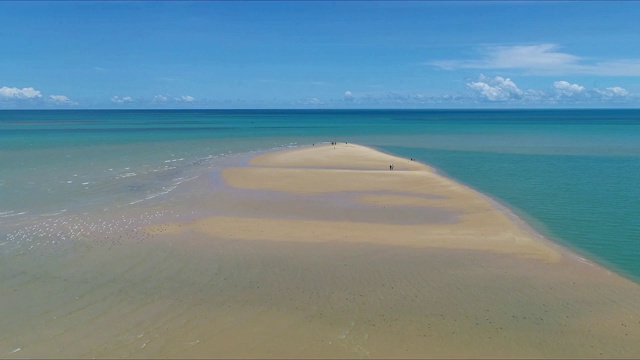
[(168, 99), (496, 89), (61, 99), (541, 59), (30, 97), (567, 89), (612, 92), (15, 93), (500, 89), (541, 56), (121, 100), (160, 98), (348, 96), (532, 57), (494, 92)]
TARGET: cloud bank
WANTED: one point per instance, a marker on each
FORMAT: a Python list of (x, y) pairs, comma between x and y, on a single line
[(61, 99), (29, 97), (541, 59), (167, 99), (613, 92), (499, 89), (15, 93), (567, 89), (121, 100), (495, 89)]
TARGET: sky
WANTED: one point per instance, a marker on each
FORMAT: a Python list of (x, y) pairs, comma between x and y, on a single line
[(319, 54)]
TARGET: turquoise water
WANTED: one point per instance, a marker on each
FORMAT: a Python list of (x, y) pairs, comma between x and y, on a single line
[(572, 174), (588, 203)]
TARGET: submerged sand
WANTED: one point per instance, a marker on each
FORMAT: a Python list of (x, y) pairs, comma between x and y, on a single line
[(324, 252)]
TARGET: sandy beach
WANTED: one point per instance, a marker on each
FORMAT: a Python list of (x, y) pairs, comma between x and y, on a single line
[(324, 252)]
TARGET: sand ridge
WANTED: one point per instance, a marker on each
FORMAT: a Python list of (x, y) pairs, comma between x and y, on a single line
[(350, 156), (354, 169)]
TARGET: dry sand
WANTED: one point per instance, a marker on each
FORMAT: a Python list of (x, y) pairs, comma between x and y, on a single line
[(323, 252), (408, 190)]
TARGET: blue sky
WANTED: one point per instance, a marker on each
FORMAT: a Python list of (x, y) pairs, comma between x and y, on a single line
[(319, 54)]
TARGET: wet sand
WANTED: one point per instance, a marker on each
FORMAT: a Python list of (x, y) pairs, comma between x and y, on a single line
[(319, 252)]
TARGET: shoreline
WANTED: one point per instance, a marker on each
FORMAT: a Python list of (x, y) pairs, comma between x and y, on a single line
[(566, 250), (498, 205)]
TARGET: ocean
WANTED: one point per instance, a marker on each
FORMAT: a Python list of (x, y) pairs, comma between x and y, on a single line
[(571, 174)]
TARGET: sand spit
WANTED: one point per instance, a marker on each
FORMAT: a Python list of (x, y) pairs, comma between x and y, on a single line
[(320, 252), (364, 172)]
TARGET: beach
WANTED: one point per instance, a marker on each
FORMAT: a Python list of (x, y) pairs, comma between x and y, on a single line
[(320, 252)]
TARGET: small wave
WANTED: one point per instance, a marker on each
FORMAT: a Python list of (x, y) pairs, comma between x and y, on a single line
[(165, 168), (11, 213), (165, 190), (54, 213), (181, 180), (126, 175), (152, 196)]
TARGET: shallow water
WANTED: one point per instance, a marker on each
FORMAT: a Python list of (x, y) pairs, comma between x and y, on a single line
[(76, 188)]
